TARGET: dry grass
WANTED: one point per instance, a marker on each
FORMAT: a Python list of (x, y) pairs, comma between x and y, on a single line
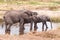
[(48, 34), (28, 5), (55, 19)]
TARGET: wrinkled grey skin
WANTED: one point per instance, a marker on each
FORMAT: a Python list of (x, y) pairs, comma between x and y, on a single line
[(21, 16), (43, 19)]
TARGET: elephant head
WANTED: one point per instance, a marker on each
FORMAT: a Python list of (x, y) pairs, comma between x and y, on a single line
[(30, 13)]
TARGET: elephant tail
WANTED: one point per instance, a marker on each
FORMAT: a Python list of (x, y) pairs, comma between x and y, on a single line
[(51, 23), (3, 24)]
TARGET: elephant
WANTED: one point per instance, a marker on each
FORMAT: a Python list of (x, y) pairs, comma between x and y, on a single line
[(17, 16), (43, 19)]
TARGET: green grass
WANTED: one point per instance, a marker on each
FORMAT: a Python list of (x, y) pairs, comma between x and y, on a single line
[(55, 19), (30, 2), (56, 2), (36, 3)]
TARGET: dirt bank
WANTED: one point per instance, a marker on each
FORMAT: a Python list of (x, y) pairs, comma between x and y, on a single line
[(49, 35)]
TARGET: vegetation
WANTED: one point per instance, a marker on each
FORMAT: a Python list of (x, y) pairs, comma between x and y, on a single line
[(52, 5), (55, 19)]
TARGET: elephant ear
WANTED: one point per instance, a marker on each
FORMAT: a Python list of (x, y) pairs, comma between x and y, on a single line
[(28, 13), (35, 13)]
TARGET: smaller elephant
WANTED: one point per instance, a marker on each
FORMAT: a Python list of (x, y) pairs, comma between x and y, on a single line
[(43, 19)]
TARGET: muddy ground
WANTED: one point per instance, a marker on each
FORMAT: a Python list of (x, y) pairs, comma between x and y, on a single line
[(48, 35)]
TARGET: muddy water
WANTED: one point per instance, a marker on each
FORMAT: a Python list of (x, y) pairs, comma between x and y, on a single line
[(15, 28)]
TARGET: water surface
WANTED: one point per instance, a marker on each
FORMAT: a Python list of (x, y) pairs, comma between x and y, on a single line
[(15, 29)]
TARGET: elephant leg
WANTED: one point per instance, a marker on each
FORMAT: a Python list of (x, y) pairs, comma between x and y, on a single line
[(3, 24), (51, 24), (46, 26), (42, 26), (31, 26), (35, 27), (8, 29), (21, 28)]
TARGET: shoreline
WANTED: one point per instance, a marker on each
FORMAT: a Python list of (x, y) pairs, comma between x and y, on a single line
[(48, 35)]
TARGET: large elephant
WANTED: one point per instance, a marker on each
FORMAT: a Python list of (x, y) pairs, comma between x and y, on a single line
[(43, 19), (14, 16)]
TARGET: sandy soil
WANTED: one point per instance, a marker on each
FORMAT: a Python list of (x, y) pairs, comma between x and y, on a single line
[(49, 35)]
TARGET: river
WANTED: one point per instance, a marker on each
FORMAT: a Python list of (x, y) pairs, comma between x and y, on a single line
[(15, 28)]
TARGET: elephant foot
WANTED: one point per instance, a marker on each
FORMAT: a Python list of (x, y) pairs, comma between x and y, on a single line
[(8, 31), (34, 32), (21, 33), (42, 29), (46, 28), (35, 29), (21, 30), (30, 29)]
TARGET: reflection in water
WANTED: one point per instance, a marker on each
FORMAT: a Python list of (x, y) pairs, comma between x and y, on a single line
[(15, 30)]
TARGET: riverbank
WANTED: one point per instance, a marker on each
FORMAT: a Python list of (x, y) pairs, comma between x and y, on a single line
[(48, 35)]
